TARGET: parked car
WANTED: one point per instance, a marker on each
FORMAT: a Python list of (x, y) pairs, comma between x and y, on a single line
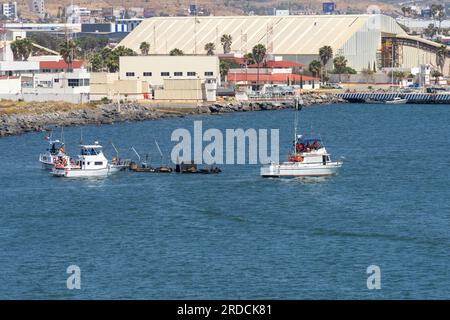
[(332, 86)]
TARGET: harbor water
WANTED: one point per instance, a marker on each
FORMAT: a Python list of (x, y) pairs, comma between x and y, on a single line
[(236, 235)]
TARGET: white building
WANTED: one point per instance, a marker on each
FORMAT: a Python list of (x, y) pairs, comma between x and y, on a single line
[(77, 14), (37, 6), (10, 85), (64, 86), (9, 10)]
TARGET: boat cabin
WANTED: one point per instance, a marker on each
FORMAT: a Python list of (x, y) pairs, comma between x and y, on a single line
[(55, 147), (308, 144)]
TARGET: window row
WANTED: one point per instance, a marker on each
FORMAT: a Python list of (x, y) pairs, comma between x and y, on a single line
[(167, 74)]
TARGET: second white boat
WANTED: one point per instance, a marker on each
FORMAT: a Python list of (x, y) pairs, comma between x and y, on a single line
[(90, 163)]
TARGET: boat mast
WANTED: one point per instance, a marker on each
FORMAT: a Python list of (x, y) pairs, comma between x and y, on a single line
[(296, 103)]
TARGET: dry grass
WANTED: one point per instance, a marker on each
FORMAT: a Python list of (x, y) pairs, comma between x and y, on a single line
[(9, 107)]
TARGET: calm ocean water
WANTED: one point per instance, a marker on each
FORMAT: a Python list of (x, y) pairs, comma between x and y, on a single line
[(235, 235)]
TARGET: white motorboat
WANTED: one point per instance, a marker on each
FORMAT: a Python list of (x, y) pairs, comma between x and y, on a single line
[(90, 163), (310, 159), (54, 152), (396, 100)]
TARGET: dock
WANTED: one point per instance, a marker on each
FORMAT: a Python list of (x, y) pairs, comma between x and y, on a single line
[(422, 98)]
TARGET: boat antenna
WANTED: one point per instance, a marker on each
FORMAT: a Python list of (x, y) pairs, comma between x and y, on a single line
[(297, 109), (134, 150), (117, 151), (81, 135), (62, 134), (160, 152)]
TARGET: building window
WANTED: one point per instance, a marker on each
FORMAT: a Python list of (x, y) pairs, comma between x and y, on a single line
[(165, 74), (56, 80), (147, 74), (74, 83), (129, 74), (192, 74), (209, 74), (86, 82), (178, 74)]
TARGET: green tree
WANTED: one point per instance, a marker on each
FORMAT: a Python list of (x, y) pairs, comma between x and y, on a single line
[(441, 55), (259, 54), (22, 49), (430, 31), (436, 74), (111, 57), (68, 52), (210, 47), (226, 40), (176, 52), (340, 65), (248, 59), (15, 50), (325, 54), (314, 67), (145, 48), (224, 67), (97, 62), (438, 13)]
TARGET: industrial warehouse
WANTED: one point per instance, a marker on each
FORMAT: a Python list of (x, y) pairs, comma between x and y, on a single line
[(364, 40)]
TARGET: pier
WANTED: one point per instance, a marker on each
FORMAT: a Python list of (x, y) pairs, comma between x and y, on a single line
[(431, 98)]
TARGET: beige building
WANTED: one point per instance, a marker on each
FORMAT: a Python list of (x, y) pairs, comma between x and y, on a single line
[(170, 78), (156, 69), (108, 85)]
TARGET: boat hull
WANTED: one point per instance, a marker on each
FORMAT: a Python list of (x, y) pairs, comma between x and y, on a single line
[(79, 173), (293, 169)]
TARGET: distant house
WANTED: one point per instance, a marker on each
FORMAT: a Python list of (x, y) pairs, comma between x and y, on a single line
[(273, 72)]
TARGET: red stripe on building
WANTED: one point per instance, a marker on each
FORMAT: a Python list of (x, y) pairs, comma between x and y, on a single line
[(279, 77), (61, 64)]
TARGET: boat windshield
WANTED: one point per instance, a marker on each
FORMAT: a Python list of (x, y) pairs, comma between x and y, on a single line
[(56, 147), (90, 151), (303, 144)]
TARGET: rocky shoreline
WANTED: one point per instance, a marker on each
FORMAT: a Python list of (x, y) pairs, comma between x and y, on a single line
[(110, 113)]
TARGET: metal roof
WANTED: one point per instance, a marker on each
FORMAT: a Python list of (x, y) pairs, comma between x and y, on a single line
[(281, 34)]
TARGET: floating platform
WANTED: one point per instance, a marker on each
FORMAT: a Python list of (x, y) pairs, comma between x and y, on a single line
[(420, 98), (180, 168)]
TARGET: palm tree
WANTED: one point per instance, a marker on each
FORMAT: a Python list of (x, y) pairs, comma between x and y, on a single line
[(176, 52), (441, 55), (314, 67), (340, 64), (248, 59), (226, 40), (259, 54), (15, 45), (224, 67), (97, 62), (67, 51), (145, 48), (22, 49), (436, 74), (210, 48), (438, 13), (325, 54)]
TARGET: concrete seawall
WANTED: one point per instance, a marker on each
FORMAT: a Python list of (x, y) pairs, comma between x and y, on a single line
[(14, 124)]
